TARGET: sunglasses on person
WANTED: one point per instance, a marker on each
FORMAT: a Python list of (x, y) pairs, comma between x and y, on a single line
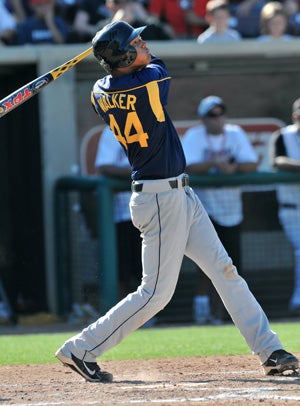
[(213, 113)]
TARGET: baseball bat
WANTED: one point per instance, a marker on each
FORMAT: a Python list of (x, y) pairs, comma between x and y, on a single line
[(24, 93)]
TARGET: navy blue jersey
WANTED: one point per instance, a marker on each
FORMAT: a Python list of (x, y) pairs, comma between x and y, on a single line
[(134, 108)]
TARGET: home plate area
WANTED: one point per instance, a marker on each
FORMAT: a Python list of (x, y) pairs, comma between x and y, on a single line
[(228, 380)]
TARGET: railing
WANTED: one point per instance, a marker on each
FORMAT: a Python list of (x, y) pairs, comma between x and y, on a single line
[(104, 189)]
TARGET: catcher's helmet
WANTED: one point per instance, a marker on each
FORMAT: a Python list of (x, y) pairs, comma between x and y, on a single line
[(111, 45)]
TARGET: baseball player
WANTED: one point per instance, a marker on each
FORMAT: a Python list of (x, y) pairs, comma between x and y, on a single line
[(285, 155), (216, 146), (131, 99)]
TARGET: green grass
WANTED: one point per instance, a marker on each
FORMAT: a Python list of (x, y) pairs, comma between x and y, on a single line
[(146, 344)]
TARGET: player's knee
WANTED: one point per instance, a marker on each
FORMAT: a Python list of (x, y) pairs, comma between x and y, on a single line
[(157, 298)]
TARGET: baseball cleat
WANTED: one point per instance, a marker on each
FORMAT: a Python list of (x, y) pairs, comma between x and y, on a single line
[(90, 371), (280, 361)]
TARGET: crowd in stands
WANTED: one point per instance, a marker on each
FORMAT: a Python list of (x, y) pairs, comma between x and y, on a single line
[(77, 21)]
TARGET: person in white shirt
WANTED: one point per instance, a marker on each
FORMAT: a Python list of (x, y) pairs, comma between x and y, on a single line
[(218, 17), (285, 155), (215, 146)]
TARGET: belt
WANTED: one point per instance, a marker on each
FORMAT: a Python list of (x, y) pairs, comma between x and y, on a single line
[(160, 185), (289, 206)]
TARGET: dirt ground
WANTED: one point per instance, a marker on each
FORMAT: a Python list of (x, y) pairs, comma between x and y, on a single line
[(229, 380)]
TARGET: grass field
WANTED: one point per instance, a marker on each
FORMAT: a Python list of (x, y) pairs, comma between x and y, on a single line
[(146, 343)]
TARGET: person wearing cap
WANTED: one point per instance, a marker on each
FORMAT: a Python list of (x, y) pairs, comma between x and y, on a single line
[(215, 146), (172, 222), (218, 17), (43, 27), (274, 23), (285, 156)]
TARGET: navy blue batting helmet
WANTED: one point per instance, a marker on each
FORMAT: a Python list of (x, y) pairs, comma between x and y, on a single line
[(111, 45)]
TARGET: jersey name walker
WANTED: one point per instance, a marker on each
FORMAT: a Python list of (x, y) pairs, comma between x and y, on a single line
[(150, 146)]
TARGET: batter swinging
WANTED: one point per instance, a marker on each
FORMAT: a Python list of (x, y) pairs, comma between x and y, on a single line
[(132, 99)]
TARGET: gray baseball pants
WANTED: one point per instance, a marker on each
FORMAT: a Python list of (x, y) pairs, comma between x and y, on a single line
[(173, 223)]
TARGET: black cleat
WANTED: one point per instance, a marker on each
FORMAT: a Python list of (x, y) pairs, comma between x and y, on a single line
[(280, 361), (90, 371)]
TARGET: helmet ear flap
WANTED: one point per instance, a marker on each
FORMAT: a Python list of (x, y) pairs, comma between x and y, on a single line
[(122, 61), (127, 58)]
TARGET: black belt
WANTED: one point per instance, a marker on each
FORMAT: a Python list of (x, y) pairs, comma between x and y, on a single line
[(174, 184), (289, 206)]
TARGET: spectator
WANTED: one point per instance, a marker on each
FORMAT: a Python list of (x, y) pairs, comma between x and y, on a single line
[(170, 13), (213, 147), (91, 15), (44, 27), (273, 22), (247, 14), (135, 14), (285, 155), (111, 160), (7, 26), (218, 17)]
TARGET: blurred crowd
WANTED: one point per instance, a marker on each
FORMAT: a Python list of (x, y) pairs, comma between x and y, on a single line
[(77, 21)]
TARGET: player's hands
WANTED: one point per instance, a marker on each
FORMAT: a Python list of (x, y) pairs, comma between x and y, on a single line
[(226, 166)]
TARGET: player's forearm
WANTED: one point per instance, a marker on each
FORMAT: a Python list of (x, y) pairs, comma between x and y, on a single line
[(247, 167)]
